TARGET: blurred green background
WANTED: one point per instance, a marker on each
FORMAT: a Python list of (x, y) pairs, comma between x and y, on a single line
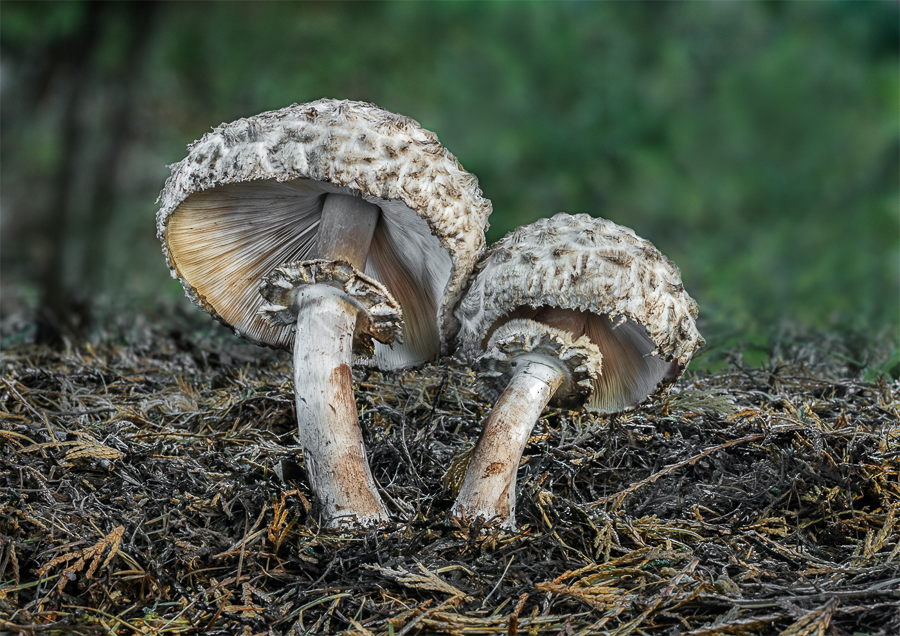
[(757, 144)]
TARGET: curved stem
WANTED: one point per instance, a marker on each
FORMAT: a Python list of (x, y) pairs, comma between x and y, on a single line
[(489, 488), (328, 421)]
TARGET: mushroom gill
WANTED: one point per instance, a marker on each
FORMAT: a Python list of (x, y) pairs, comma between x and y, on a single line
[(630, 371), (226, 239)]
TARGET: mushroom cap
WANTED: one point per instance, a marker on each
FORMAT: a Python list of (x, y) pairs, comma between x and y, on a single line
[(248, 198), (622, 282)]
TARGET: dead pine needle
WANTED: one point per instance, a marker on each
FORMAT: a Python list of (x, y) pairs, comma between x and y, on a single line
[(753, 501)]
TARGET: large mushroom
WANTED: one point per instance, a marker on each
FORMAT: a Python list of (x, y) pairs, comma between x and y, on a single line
[(318, 228), (573, 309)]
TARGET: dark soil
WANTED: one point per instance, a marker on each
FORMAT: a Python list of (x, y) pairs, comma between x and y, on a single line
[(152, 484)]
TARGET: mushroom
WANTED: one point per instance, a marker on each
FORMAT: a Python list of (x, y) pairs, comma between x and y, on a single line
[(340, 231), (573, 309)]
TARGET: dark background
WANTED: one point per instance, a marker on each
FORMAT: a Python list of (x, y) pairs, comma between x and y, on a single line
[(755, 143)]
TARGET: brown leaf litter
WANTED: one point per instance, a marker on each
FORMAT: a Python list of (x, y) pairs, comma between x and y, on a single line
[(154, 486)]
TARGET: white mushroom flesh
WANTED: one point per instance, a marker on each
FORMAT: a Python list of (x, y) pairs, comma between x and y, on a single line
[(345, 229), (530, 362), (413, 266)]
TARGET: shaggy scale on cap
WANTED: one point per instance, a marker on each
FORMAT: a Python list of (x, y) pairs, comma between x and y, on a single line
[(247, 198)]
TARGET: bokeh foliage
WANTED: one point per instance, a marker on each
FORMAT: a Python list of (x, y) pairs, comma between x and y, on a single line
[(756, 144)]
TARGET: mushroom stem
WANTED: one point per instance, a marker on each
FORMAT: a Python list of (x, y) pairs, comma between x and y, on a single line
[(328, 421), (346, 228), (489, 487)]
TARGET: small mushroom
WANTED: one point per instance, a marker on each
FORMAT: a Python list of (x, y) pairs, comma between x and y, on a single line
[(572, 309), (340, 231)]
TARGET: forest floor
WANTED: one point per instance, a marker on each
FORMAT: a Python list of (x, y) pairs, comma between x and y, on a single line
[(151, 483)]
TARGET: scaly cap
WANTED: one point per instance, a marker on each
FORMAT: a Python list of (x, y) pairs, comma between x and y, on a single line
[(631, 292), (247, 198)]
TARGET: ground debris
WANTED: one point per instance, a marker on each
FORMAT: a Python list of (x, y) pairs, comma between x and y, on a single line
[(156, 486)]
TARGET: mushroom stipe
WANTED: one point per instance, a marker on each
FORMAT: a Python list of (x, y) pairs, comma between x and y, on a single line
[(333, 323), (489, 487), (329, 432)]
